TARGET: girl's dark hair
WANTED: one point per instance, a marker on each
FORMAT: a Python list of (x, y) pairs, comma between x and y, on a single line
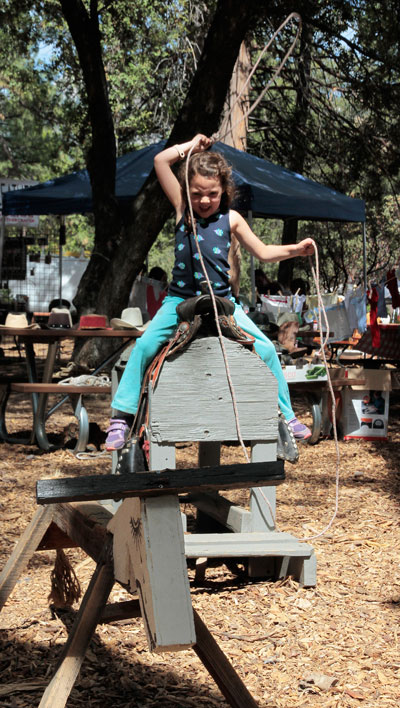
[(210, 164)]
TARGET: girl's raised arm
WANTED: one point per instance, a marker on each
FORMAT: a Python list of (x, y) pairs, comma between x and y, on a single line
[(163, 162)]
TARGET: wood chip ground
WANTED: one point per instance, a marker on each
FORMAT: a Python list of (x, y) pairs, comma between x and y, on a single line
[(332, 646)]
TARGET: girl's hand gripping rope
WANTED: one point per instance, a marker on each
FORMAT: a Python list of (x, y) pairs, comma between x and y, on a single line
[(200, 143), (305, 247)]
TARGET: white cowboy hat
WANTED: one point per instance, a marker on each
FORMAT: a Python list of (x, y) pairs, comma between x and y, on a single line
[(18, 320), (131, 318)]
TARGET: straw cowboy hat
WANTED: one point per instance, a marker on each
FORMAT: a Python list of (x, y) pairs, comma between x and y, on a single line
[(131, 318), (18, 320)]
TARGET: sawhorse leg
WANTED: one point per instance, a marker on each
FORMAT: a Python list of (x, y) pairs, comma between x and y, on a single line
[(206, 648), (90, 611), (24, 551), (220, 668)]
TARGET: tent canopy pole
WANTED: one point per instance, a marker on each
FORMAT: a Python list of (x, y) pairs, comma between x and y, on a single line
[(2, 239), (365, 255), (252, 274)]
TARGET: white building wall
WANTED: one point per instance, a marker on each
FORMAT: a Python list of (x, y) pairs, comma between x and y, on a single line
[(42, 283)]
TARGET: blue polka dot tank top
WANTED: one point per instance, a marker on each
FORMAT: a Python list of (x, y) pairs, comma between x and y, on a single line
[(214, 241)]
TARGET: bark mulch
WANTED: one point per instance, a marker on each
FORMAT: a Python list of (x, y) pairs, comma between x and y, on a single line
[(335, 645)]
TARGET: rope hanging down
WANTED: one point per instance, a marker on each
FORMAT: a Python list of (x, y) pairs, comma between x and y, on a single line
[(212, 295), (315, 272), (324, 340)]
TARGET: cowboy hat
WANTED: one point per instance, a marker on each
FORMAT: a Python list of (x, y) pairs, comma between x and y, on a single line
[(60, 317), (18, 320), (131, 318), (93, 321)]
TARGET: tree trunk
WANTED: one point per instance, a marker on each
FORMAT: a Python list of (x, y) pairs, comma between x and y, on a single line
[(233, 131), (296, 162), (151, 208), (123, 240), (101, 158)]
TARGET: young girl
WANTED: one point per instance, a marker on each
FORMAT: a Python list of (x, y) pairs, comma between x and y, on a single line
[(211, 191)]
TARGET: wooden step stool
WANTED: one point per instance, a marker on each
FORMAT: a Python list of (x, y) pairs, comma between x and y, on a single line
[(192, 402)]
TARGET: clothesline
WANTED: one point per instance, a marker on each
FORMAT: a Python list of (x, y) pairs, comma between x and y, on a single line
[(391, 275)]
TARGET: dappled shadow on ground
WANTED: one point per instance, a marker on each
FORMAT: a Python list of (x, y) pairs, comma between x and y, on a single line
[(110, 675)]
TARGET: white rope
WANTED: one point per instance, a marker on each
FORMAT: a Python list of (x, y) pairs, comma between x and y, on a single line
[(86, 380), (220, 337), (315, 272), (323, 341), (214, 138), (88, 455), (293, 16)]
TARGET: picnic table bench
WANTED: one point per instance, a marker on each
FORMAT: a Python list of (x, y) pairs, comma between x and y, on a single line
[(67, 392), (40, 390)]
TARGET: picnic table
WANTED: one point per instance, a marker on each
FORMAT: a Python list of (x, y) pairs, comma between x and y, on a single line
[(39, 390)]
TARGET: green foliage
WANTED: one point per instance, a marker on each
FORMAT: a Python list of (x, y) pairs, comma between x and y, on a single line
[(149, 63), (79, 231), (149, 53), (30, 141), (162, 251), (337, 122), (149, 50), (148, 58), (333, 110)]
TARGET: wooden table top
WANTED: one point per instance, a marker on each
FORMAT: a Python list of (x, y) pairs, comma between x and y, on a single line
[(40, 335)]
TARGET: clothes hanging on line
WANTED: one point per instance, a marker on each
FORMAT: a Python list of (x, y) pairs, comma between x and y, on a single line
[(373, 317), (391, 282)]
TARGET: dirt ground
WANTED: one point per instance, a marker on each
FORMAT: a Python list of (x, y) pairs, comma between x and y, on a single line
[(334, 645)]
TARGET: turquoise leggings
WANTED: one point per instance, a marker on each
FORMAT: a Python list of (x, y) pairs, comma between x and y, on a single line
[(160, 330)]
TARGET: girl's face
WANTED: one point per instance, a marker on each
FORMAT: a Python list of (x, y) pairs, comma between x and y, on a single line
[(205, 194)]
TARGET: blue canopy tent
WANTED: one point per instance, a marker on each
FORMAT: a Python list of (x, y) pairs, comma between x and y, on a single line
[(264, 190)]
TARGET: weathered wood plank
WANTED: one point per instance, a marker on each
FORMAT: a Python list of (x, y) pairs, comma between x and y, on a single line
[(149, 557), (117, 611), (263, 508), (234, 518), (61, 389), (197, 377), (23, 551), (302, 569), (241, 545), (49, 491), (55, 538), (85, 524)]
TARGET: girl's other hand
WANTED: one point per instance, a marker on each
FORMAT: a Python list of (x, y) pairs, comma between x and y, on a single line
[(305, 247), (201, 143)]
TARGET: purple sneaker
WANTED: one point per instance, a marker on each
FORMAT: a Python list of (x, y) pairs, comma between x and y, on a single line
[(117, 433), (300, 431)]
